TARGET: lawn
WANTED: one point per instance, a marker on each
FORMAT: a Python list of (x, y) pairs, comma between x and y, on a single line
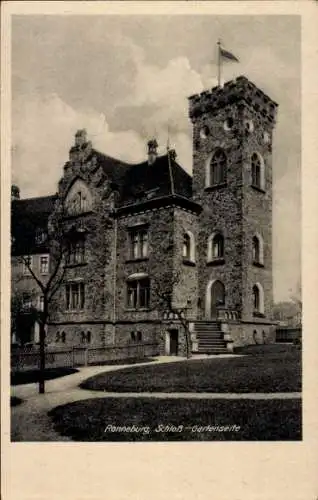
[(150, 419), (272, 368), (32, 376)]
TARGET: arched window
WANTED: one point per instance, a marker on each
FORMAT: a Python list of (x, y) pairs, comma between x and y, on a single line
[(132, 337), (215, 247), (258, 171), (217, 168), (139, 336), (188, 248), (258, 299), (257, 250), (255, 247)]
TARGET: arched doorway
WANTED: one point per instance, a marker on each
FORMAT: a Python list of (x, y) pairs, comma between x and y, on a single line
[(215, 297)]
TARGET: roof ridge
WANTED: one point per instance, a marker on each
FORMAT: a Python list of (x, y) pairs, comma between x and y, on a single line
[(108, 157), (37, 197)]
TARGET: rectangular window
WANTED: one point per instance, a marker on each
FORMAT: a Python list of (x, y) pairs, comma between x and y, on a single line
[(27, 264), (75, 296), (44, 264), (76, 252), (138, 242), (138, 294)]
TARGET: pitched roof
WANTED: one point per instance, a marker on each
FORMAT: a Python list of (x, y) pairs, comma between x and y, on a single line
[(29, 216), (113, 168), (136, 184), (164, 177)]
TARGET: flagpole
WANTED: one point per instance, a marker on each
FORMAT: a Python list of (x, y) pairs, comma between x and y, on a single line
[(219, 62)]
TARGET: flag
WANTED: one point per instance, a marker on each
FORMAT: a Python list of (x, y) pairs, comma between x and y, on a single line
[(227, 55)]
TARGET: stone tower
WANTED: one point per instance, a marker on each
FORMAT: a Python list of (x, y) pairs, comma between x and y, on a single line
[(232, 180)]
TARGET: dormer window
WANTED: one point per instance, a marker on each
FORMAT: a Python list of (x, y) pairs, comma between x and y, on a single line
[(40, 236)]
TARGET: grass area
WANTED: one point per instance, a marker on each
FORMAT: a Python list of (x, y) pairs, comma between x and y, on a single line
[(268, 368), (14, 401), (145, 419), (32, 376)]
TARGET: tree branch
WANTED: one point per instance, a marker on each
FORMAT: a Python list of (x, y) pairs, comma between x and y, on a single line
[(36, 279)]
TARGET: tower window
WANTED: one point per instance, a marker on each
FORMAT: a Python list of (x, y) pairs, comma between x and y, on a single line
[(218, 165), (258, 171), (258, 300), (266, 137), (257, 250), (188, 248)]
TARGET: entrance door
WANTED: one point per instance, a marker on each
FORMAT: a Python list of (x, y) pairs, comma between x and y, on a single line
[(173, 342), (217, 297)]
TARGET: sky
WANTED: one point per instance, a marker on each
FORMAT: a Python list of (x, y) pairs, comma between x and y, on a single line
[(127, 78)]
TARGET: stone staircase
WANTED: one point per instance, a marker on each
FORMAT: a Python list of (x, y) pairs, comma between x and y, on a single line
[(209, 337)]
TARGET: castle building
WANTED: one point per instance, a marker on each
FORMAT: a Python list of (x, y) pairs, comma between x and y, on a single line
[(137, 234)]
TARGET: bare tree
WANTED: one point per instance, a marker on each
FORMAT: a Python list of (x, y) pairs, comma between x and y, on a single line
[(47, 287), (61, 230)]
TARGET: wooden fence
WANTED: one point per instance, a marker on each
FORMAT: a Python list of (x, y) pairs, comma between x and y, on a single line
[(22, 359)]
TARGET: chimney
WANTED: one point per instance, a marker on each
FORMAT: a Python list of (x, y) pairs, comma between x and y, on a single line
[(15, 192), (152, 151)]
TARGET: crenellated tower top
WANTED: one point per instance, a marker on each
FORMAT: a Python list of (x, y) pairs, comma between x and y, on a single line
[(233, 92)]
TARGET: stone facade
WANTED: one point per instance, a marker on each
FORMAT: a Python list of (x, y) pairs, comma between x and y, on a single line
[(149, 228), (239, 120)]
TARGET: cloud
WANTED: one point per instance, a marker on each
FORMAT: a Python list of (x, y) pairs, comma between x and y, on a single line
[(44, 131), (125, 80), (44, 124)]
